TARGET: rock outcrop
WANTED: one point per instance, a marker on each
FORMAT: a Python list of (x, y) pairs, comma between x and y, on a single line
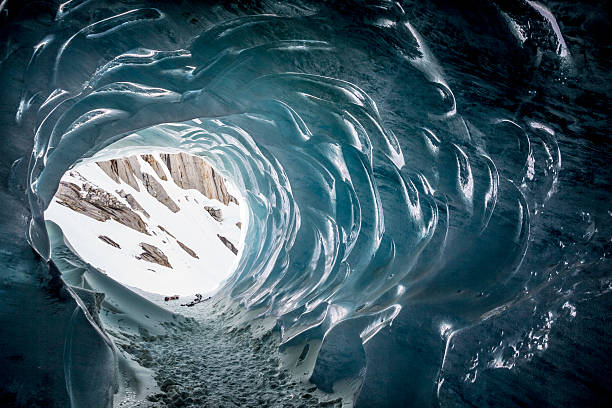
[(166, 231), (215, 213), (125, 169), (153, 254), (228, 244), (187, 249), (187, 171), (132, 202), (98, 204), (157, 167), (190, 171), (109, 241), (156, 190)]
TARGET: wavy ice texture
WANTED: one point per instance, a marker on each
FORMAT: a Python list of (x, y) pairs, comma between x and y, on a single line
[(359, 217)]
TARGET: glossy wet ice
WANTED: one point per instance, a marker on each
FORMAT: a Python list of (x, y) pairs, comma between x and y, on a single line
[(428, 186)]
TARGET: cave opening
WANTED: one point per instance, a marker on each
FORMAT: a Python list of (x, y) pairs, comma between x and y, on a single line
[(162, 223)]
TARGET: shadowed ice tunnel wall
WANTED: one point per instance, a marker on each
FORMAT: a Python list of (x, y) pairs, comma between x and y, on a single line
[(387, 215)]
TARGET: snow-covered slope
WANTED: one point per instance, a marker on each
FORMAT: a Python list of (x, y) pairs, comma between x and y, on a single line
[(163, 223)]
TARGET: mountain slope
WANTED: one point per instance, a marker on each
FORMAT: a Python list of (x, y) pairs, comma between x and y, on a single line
[(164, 223)]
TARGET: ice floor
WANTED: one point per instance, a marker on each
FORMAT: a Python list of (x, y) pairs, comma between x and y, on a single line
[(206, 365)]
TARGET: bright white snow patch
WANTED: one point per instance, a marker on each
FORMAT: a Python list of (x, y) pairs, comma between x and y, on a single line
[(192, 225)]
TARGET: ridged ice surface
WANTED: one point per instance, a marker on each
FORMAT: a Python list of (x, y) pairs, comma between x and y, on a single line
[(426, 183)]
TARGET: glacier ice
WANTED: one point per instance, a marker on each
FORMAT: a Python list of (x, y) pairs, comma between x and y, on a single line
[(399, 209)]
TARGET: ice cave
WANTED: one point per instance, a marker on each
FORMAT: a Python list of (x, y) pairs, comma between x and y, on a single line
[(301, 203)]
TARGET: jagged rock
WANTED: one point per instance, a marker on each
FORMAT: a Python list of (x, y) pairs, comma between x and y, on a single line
[(188, 250), (125, 169), (153, 254), (228, 244), (98, 204), (133, 203), (189, 172), (166, 231), (110, 168), (128, 170), (156, 190), (109, 241), (239, 224), (155, 165), (215, 213)]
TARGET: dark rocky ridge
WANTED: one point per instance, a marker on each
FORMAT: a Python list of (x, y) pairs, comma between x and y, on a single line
[(155, 165), (125, 169), (156, 190), (166, 231), (189, 172)]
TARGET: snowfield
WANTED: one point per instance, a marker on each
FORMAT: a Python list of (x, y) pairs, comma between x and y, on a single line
[(192, 226)]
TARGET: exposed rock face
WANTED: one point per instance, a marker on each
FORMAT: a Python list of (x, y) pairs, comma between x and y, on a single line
[(189, 171), (153, 254), (166, 231), (155, 165), (98, 204), (126, 169), (187, 249), (109, 241), (156, 190), (215, 213), (133, 203), (228, 244)]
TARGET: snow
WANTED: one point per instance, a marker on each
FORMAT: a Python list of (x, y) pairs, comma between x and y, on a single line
[(192, 225)]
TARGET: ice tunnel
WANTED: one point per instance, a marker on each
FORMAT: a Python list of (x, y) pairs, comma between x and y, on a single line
[(409, 205)]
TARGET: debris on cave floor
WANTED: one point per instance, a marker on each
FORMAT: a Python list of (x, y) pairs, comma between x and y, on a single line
[(210, 365)]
